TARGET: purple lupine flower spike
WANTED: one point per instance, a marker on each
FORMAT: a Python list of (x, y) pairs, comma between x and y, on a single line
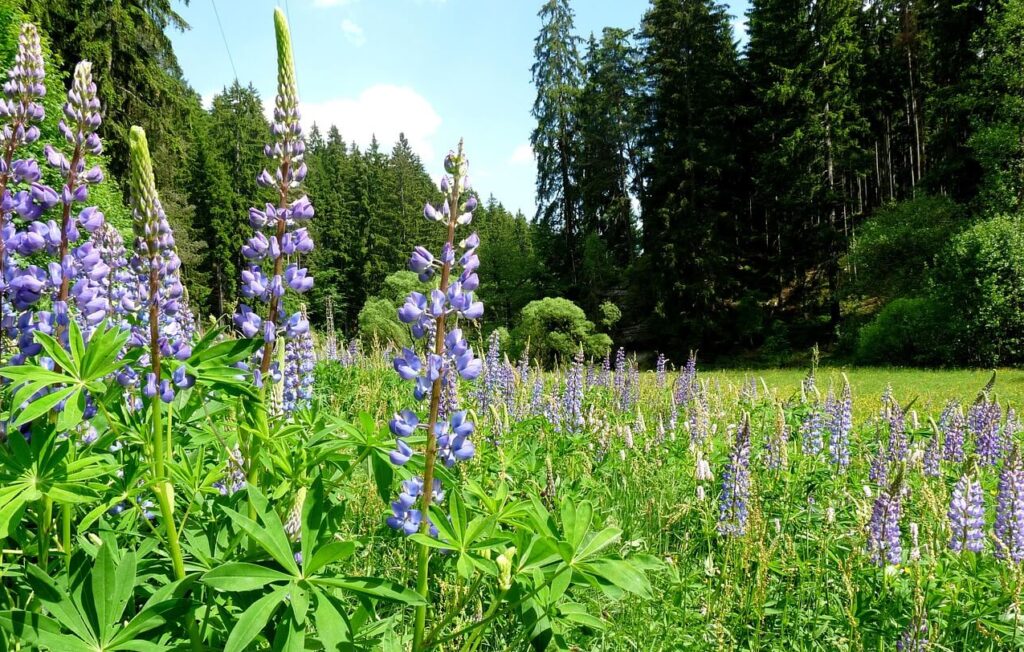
[(953, 428), (840, 424), (1009, 526), (967, 515), (884, 542), (733, 503), (275, 250), (449, 355)]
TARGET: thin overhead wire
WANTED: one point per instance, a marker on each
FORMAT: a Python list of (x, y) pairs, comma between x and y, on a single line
[(224, 38)]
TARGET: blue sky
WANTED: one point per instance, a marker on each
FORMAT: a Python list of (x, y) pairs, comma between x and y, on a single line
[(435, 69)]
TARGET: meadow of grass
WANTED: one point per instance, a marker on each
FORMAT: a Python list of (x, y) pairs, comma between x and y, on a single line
[(931, 388), (801, 575)]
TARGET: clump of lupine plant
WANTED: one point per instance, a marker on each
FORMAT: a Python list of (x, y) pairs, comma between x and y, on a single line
[(156, 264), (435, 317), (276, 248)]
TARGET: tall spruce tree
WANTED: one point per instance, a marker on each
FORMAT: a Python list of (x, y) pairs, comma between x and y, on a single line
[(690, 176), (556, 75), (609, 144)]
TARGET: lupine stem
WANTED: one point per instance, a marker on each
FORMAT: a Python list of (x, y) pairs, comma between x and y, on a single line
[(163, 489), (45, 518), (430, 453)]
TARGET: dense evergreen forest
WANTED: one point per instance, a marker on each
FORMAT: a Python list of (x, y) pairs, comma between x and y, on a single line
[(851, 176)]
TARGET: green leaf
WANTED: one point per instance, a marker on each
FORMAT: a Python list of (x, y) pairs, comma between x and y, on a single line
[(270, 536), (39, 630), (373, 587), (10, 515), (576, 520), (383, 475), (56, 350), (599, 542), (242, 576), (42, 405), (253, 620), (328, 618), (58, 604), (622, 574), (112, 585), (333, 552)]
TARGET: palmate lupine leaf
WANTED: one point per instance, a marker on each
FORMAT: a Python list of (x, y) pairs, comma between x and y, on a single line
[(87, 608), (301, 585), (82, 367), (32, 470)]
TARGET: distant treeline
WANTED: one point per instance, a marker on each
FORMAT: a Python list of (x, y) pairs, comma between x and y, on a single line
[(850, 176)]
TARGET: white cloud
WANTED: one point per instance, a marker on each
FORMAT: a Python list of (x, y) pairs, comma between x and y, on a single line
[(207, 99), (522, 155), (353, 32), (384, 110)]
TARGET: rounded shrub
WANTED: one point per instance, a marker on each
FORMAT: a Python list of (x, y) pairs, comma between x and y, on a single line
[(906, 331), (557, 328)]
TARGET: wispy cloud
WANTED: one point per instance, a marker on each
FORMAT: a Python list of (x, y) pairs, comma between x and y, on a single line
[(382, 110), (353, 32), (522, 155)]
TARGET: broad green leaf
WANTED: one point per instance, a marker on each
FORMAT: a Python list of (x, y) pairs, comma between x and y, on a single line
[(383, 475), (373, 587), (10, 515), (42, 405), (270, 536), (576, 521), (330, 553), (58, 604), (103, 583), (599, 542), (332, 625), (56, 350), (39, 630), (620, 573), (242, 576), (253, 620)]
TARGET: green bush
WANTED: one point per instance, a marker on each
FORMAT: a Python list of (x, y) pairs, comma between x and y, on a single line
[(894, 251), (906, 331), (979, 285), (557, 328), (378, 322), (378, 319)]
